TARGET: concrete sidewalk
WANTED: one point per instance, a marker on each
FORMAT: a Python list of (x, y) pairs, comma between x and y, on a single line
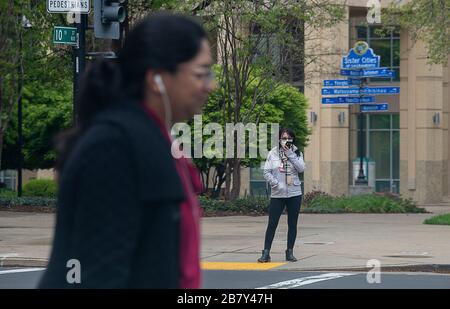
[(324, 241)]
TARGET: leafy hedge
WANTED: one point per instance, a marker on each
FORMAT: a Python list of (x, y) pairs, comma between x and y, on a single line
[(315, 202), (369, 203), (245, 206), (40, 188), (256, 206), (8, 202)]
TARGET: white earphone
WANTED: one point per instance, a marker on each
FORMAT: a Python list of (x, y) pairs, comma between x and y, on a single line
[(159, 83), (165, 98)]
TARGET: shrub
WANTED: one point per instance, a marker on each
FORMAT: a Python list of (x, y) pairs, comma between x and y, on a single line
[(40, 188), (7, 193), (243, 206), (310, 196), (369, 203), (8, 202)]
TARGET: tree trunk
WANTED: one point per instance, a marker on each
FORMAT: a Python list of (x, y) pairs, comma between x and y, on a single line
[(228, 174), (1, 148), (236, 189)]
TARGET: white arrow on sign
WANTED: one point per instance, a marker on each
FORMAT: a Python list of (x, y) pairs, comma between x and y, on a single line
[(66, 6)]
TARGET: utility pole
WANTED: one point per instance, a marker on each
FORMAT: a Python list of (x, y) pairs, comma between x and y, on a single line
[(79, 62)]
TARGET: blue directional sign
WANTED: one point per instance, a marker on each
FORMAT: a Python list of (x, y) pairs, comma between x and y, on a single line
[(380, 90), (349, 72), (361, 56), (336, 82), (348, 100), (361, 91), (354, 81), (340, 91), (341, 82), (374, 107), (378, 72)]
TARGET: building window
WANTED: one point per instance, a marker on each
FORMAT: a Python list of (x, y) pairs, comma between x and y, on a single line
[(258, 185), (383, 147), (385, 45), (9, 179)]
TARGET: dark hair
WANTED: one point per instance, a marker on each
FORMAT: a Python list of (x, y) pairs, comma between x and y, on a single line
[(291, 134), (161, 41)]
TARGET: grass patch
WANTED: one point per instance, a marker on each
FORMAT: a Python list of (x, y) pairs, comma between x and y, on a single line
[(438, 220)]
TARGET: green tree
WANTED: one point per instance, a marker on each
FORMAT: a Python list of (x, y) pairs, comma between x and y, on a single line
[(283, 104), (426, 20), (27, 57), (256, 42)]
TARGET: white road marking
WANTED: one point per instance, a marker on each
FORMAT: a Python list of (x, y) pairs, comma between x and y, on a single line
[(290, 284), (22, 270)]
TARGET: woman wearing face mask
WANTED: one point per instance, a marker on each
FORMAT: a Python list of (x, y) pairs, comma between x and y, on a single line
[(127, 214), (281, 169)]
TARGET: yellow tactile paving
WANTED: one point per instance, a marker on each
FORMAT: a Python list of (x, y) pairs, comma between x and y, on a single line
[(238, 266)]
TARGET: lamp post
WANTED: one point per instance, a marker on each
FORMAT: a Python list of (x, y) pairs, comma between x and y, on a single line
[(25, 25), (362, 179)]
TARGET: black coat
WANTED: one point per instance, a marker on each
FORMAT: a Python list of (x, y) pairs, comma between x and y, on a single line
[(118, 207)]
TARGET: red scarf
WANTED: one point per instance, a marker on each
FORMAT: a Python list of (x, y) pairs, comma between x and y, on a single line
[(190, 213)]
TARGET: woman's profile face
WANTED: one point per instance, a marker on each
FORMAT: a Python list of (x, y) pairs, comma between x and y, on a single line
[(190, 86)]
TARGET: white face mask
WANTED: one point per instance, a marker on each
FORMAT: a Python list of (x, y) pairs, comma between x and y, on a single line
[(283, 142)]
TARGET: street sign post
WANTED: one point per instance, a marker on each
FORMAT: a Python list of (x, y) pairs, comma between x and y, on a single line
[(66, 6), (359, 64), (65, 35), (374, 107)]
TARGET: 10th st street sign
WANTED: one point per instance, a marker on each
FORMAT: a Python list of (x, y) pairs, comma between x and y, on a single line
[(66, 6), (65, 35)]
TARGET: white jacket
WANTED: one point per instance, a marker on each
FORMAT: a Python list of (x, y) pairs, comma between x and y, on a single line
[(277, 173)]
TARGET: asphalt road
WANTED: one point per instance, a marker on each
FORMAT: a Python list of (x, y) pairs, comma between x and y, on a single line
[(26, 278)]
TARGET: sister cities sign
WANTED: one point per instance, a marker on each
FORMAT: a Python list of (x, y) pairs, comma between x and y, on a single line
[(65, 6)]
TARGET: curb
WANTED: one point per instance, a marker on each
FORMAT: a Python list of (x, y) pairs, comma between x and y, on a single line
[(23, 262), (426, 268)]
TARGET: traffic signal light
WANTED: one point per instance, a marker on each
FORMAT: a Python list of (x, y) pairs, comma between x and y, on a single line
[(108, 15)]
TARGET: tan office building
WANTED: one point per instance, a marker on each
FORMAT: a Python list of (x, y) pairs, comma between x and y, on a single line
[(408, 144)]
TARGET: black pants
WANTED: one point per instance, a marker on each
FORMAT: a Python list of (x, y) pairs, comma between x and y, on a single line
[(276, 208)]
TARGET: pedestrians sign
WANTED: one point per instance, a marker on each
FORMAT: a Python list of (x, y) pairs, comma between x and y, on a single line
[(65, 6), (378, 72), (348, 100), (374, 107), (361, 56), (361, 91), (65, 35)]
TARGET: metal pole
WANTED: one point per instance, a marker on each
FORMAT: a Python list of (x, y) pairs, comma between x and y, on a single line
[(79, 62), (361, 177), (19, 117)]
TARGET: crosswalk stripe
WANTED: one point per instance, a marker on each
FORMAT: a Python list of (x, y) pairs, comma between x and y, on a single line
[(238, 266), (290, 284)]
